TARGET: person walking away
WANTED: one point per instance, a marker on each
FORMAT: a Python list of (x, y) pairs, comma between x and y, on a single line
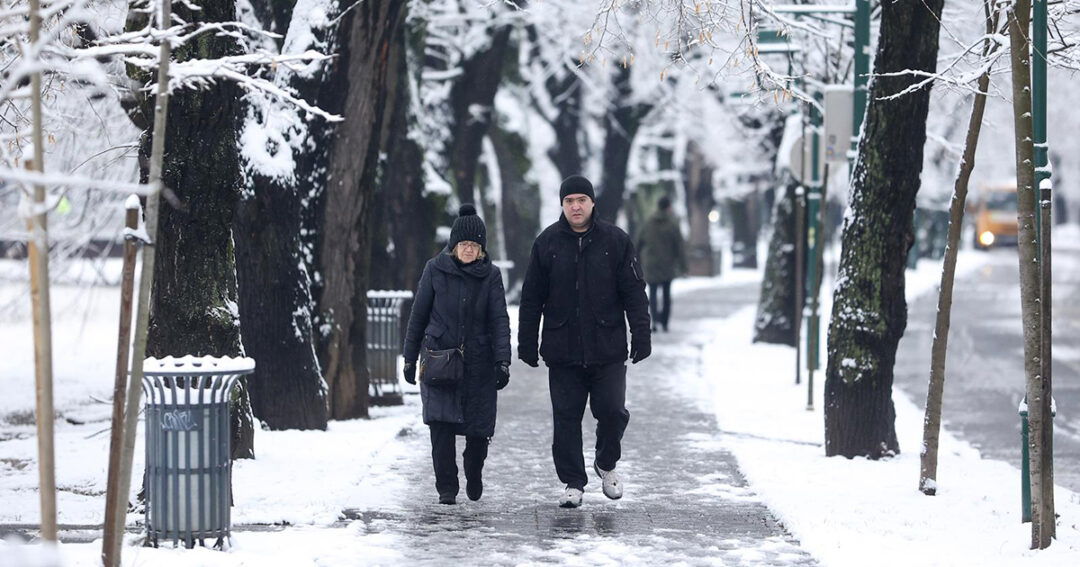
[(460, 307), (584, 279), (663, 255)]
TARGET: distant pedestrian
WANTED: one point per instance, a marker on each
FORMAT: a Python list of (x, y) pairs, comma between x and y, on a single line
[(584, 278), (459, 321), (663, 255)]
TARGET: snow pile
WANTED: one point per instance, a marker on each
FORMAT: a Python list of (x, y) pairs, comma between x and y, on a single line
[(859, 512)]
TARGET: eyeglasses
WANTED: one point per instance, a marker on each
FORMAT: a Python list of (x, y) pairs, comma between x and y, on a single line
[(469, 245)]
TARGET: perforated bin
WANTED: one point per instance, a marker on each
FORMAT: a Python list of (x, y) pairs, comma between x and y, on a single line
[(188, 447)]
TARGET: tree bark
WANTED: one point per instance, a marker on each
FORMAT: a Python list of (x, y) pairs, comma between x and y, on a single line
[(621, 124), (697, 179), (520, 212), (287, 388), (939, 349), (356, 88), (1038, 388), (194, 305), (744, 230), (404, 238), (775, 322), (472, 101), (869, 309)]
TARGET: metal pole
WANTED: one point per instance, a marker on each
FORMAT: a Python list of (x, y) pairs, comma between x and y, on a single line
[(123, 344), (39, 293), (813, 220), (146, 277), (1043, 222)]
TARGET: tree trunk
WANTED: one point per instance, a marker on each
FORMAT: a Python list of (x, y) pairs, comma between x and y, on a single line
[(697, 179), (744, 230), (520, 200), (869, 310), (776, 318), (566, 97), (621, 124), (194, 309), (472, 101), (287, 389), (1038, 388), (356, 88), (404, 238), (932, 420)]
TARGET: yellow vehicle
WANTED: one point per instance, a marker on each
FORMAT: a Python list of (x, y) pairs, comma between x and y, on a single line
[(995, 216)]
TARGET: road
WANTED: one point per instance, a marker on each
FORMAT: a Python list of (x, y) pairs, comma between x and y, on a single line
[(984, 369)]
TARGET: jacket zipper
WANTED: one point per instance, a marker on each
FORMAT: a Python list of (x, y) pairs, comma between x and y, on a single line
[(577, 288)]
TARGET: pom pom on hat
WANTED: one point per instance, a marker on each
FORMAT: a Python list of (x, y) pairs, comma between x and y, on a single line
[(466, 209)]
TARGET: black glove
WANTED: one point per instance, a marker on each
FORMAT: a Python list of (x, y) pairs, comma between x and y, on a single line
[(640, 349), (502, 375), (529, 356), (410, 372)]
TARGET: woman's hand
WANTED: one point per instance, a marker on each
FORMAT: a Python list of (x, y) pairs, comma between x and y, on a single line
[(410, 372), (502, 375)]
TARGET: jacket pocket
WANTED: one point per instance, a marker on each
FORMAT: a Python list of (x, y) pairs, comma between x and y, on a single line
[(555, 342), (610, 338), (435, 329)]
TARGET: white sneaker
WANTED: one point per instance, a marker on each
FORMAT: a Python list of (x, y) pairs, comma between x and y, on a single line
[(571, 498), (612, 484)]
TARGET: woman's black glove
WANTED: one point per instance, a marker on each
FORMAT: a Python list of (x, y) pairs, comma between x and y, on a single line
[(502, 375), (410, 372)]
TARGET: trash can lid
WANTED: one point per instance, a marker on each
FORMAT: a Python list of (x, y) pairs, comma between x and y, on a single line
[(189, 364)]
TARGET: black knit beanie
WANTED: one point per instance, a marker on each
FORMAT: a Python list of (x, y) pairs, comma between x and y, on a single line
[(468, 226), (576, 184)]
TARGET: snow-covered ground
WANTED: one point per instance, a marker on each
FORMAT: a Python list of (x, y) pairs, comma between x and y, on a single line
[(844, 512)]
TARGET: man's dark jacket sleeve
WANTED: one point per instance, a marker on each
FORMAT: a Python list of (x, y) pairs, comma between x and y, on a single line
[(500, 323), (534, 292), (631, 283)]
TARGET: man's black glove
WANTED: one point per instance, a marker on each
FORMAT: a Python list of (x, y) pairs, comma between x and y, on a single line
[(529, 356), (410, 372), (502, 375), (640, 349)]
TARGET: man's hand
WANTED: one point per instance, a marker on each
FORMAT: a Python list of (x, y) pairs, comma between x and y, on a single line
[(410, 372), (640, 349), (529, 356), (502, 375)]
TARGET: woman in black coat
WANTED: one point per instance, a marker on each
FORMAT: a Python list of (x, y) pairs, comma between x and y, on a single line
[(460, 303)]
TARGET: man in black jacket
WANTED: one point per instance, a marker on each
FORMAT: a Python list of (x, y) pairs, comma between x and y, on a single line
[(584, 278)]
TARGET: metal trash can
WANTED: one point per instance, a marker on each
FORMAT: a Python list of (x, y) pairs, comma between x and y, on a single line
[(188, 447), (384, 345)]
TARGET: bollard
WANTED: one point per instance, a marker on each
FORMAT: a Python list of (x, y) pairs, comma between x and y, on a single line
[(1025, 470)]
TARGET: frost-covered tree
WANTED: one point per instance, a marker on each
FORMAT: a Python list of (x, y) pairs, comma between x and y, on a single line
[(869, 309)]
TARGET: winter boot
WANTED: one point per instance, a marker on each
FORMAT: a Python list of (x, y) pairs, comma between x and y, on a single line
[(571, 498), (447, 498), (474, 486), (612, 484)]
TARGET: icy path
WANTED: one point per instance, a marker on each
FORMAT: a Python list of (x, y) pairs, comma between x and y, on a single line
[(686, 502)]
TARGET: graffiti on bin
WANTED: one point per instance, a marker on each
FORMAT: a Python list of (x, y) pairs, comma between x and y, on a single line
[(179, 420)]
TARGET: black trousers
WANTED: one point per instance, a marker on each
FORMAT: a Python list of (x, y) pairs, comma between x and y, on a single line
[(604, 387), (444, 457), (662, 312)]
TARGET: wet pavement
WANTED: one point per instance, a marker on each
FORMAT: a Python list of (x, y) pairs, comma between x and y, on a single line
[(984, 370), (685, 501)]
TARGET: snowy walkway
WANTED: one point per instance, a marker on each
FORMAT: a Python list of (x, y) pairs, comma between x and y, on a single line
[(685, 502)]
